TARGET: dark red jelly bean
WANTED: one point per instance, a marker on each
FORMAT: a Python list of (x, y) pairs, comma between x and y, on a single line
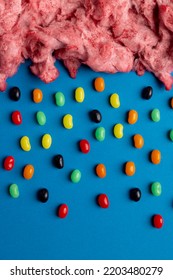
[(9, 163), (84, 146), (58, 161), (157, 221), (43, 195), (16, 117), (62, 211), (14, 93), (103, 201)]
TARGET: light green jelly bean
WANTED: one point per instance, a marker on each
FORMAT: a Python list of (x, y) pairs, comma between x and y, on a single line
[(79, 94), (59, 99), (41, 118), (46, 141), (171, 134), (156, 188), (115, 100), (14, 190), (75, 176), (100, 133), (155, 115)]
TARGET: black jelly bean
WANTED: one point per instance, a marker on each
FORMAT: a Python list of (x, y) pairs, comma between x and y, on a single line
[(147, 92), (58, 161), (135, 194), (43, 195), (95, 116), (14, 93)]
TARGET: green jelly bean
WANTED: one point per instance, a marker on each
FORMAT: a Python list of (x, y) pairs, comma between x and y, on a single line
[(59, 99), (100, 133), (156, 188), (155, 115), (41, 118), (171, 134), (14, 190), (75, 176)]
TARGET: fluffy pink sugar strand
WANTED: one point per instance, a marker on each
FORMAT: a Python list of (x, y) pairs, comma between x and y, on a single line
[(107, 35)]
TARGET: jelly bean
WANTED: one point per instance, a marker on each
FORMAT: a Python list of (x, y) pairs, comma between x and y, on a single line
[(75, 176), (28, 171), (115, 100), (155, 156), (155, 115), (14, 190), (62, 211), (95, 116), (147, 92), (100, 133), (43, 195), (14, 93), (68, 121), (59, 99), (118, 130), (84, 146), (25, 143), (46, 141), (99, 84), (138, 141), (103, 200), (171, 134), (79, 94), (16, 117), (130, 168), (135, 194), (58, 161), (37, 95), (171, 103), (41, 118), (157, 221), (101, 170), (156, 189), (132, 116), (9, 163)]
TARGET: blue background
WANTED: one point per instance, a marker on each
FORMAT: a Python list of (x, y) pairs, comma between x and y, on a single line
[(30, 229)]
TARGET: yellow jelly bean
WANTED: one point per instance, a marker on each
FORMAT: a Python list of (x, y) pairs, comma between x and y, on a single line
[(68, 121), (118, 130), (115, 100), (25, 143), (46, 141), (79, 94)]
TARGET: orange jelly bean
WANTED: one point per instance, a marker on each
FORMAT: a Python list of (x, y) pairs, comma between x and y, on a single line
[(99, 84), (132, 116), (101, 170), (28, 171), (155, 156), (138, 141), (130, 168), (171, 103), (37, 95)]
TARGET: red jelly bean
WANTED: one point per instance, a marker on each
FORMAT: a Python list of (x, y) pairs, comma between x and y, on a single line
[(9, 163), (62, 211), (157, 221), (103, 201), (16, 117), (84, 146)]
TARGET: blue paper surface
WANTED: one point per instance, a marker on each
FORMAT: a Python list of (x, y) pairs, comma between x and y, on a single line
[(31, 229)]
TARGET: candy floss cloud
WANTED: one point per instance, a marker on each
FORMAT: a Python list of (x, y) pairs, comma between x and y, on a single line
[(108, 36)]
